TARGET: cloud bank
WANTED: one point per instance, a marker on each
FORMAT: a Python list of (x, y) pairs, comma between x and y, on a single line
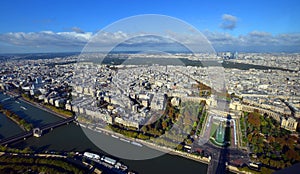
[(255, 41), (49, 41)]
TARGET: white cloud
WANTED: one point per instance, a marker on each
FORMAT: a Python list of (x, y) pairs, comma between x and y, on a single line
[(228, 22), (49, 41), (255, 41), (45, 38), (219, 38), (109, 38)]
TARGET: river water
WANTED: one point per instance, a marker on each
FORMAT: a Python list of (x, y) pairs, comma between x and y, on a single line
[(72, 138), (7, 127)]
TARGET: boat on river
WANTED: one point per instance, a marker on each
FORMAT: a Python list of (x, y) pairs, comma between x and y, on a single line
[(22, 107)]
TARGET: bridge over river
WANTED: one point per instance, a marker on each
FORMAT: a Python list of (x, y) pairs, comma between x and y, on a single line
[(42, 129)]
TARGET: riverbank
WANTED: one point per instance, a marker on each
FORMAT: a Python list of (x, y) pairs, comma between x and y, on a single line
[(155, 146), (16, 119), (149, 144), (38, 105), (42, 107), (71, 138), (41, 163)]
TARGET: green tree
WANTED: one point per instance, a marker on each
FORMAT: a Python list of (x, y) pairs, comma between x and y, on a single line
[(179, 147)]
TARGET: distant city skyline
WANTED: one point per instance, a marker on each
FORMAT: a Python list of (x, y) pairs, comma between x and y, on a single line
[(65, 26)]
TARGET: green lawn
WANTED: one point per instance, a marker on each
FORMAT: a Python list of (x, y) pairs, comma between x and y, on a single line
[(214, 127)]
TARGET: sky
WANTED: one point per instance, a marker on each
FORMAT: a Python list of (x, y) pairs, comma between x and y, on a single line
[(67, 25)]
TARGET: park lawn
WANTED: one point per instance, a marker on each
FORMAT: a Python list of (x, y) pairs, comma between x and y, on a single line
[(214, 127)]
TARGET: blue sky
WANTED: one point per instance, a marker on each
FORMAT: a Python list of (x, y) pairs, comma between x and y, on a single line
[(218, 20)]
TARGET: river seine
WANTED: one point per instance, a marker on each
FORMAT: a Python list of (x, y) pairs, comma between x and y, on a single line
[(71, 138)]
